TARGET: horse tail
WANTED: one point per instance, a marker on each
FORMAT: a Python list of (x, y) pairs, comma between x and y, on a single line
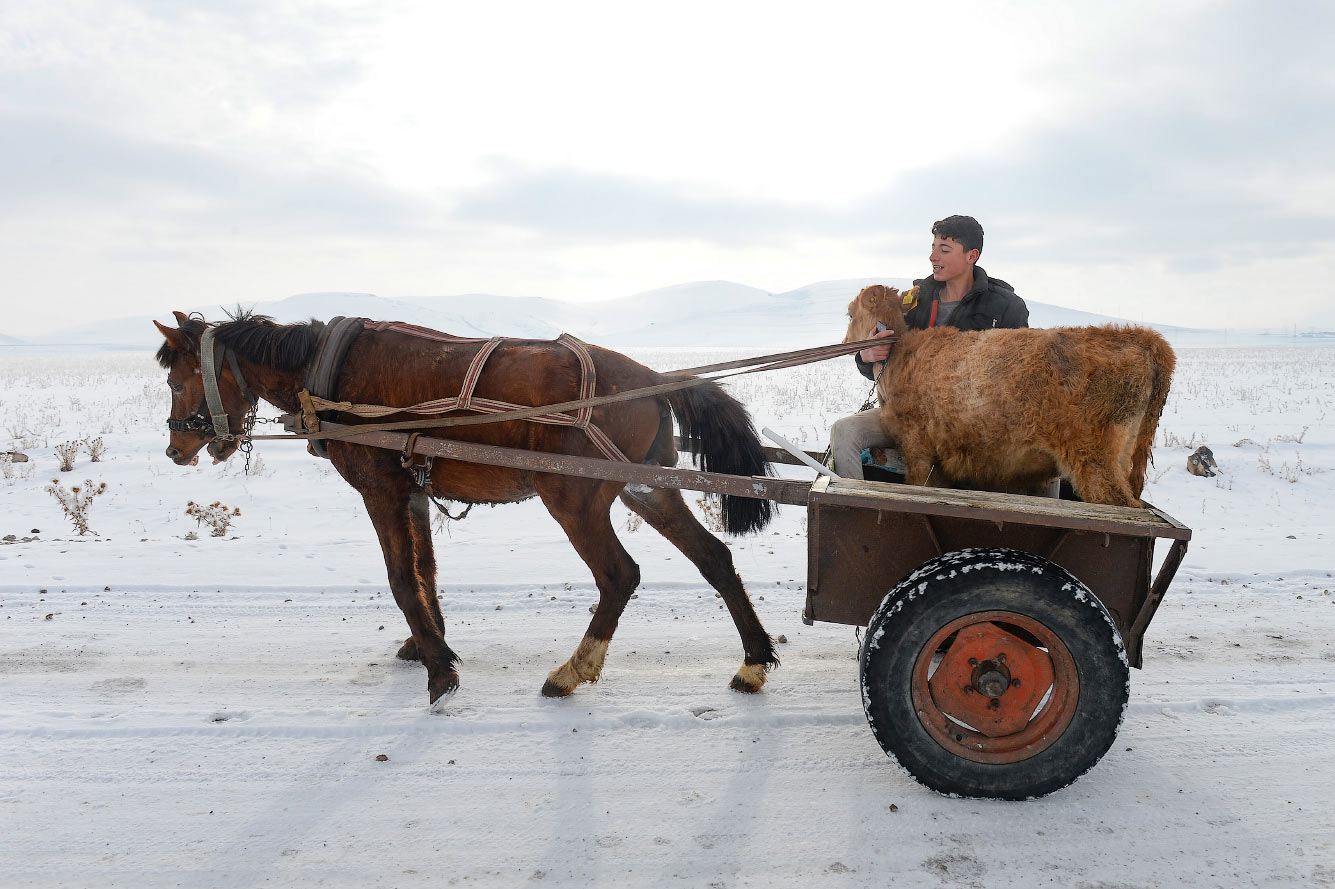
[(1162, 361), (718, 432)]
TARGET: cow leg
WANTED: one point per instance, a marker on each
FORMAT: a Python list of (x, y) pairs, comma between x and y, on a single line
[(582, 508), (667, 512), (919, 461), (400, 513)]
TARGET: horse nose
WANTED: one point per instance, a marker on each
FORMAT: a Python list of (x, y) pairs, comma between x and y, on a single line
[(172, 453)]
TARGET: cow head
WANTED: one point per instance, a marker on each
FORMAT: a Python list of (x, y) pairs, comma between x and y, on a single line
[(872, 304)]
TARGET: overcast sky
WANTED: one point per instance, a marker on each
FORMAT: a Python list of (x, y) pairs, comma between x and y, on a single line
[(1160, 161)]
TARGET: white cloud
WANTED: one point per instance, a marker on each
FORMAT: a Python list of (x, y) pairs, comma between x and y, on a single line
[(595, 149)]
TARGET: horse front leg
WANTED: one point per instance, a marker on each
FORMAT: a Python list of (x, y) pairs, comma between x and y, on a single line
[(400, 512)]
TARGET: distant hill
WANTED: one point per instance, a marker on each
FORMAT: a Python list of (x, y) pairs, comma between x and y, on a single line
[(704, 314)]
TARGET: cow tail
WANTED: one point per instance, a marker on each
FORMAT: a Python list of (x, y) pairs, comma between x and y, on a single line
[(1162, 362), (718, 432)]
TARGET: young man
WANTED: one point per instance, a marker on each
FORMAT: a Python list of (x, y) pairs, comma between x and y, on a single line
[(958, 294)]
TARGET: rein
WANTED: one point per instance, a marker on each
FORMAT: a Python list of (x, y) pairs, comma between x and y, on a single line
[(309, 428)]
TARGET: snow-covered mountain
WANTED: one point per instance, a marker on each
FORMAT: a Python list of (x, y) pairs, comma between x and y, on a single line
[(704, 314)]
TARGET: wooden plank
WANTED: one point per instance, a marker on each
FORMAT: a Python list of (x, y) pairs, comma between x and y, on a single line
[(791, 491), (1005, 508)]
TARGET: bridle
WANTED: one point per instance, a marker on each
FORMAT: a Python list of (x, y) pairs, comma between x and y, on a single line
[(215, 425)]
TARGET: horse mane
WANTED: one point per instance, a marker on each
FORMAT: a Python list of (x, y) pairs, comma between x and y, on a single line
[(257, 338), (254, 337)]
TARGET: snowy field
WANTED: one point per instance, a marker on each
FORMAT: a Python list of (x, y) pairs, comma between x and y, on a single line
[(181, 709)]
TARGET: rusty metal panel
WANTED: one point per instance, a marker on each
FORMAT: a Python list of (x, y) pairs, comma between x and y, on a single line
[(857, 555)]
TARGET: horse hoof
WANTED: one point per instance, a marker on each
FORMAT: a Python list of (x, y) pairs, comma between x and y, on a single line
[(551, 690), (750, 678), (408, 651), (444, 685)]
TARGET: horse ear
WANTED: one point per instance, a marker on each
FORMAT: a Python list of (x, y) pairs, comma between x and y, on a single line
[(181, 318), (174, 337)]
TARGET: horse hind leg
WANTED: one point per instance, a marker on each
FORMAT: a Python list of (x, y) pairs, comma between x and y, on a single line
[(582, 510), (666, 511)]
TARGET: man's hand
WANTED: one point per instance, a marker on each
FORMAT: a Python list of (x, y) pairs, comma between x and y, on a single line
[(873, 354)]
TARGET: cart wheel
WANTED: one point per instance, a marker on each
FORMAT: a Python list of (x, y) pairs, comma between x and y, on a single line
[(994, 673)]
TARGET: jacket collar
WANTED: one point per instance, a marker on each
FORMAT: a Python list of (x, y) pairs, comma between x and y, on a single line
[(931, 288)]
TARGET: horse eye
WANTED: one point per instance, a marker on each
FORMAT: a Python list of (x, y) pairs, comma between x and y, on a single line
[(175, 387)]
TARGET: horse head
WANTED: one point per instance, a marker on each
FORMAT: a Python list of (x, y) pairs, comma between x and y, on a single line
[(872, 304), (190, 421)]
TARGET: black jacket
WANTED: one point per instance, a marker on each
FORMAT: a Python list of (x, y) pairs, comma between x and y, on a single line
[(991, 302)]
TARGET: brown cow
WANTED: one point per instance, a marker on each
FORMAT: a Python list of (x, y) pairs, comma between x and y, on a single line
[(1009, 409)]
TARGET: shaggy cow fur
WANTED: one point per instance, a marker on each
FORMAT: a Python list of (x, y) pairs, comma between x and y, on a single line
[(1010, 409)]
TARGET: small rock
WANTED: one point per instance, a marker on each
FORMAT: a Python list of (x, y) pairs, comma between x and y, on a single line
[(382, 758), (782, 640), (894, 808), (49, 616)]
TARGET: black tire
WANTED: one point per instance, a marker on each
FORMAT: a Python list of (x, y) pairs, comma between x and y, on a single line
[(936, 667)]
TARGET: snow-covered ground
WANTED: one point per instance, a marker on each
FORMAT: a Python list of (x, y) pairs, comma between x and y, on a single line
[(213, 711)]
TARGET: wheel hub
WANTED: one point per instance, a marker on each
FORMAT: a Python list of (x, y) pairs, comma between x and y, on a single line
[(995, 695), (991, 678)]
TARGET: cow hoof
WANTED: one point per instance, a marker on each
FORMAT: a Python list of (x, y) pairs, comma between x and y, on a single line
[(408, 651), (750, 678), (551, 689), (442, 685)]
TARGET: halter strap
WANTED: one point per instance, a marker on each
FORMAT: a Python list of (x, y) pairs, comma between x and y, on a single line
[(211, 366)]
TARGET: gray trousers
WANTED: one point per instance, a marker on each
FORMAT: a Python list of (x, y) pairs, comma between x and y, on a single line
[(849, 435)]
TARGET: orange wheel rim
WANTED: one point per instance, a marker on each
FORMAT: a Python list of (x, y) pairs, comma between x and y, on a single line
[(995, 687)]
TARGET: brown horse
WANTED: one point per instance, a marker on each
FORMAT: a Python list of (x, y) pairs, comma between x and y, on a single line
[(400, 368)]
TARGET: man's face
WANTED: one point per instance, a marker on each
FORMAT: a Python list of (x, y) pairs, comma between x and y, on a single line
[(950, 260)]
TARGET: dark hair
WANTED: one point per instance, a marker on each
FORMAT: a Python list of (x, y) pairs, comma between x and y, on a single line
[(964, 229)]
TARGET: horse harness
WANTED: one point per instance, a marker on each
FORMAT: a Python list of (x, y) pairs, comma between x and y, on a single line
[(332, 348), (336, 338)]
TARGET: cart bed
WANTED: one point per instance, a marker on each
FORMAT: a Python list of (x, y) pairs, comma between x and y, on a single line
[(864, 537)]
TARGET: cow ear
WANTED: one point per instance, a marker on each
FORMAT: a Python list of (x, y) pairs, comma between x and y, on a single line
[(175, 338)]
